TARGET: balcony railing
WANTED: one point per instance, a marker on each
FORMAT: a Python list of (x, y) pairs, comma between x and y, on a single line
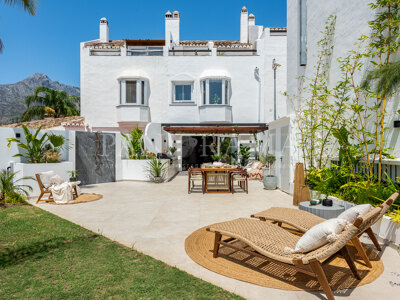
[(236, 52), (190, 51), (144, 51), (105, 52)]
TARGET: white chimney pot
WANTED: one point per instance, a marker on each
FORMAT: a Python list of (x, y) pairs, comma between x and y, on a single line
[(104, 38)]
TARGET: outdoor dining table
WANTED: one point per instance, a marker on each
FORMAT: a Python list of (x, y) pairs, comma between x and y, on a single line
[(217, 179)]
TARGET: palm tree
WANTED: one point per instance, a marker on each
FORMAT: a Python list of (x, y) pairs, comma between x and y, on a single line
[(62, 103), (27, 5), (385, 81), (9, 184)]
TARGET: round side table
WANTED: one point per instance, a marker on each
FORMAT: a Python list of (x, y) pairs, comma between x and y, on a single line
[(326, 212)]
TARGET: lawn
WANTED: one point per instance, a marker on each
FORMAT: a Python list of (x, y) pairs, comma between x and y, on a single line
[(44, 256)]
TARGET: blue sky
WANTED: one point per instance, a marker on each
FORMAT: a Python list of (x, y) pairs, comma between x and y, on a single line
[(49, 42)]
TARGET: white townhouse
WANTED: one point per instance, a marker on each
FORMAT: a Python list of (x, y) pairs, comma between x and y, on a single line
[(181, 91)]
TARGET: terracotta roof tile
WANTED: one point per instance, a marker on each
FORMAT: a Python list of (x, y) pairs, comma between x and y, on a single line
[(110, 44), (49, 123), (217, 44)]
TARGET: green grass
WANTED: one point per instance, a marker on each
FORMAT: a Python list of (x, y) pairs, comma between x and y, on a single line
[(44, 256)]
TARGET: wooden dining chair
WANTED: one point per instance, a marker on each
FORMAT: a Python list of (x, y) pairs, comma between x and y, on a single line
[(195, 174), (241, 177)]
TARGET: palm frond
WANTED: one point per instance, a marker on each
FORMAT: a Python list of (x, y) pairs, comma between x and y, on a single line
[(27, 5), (33, 111), (56, 140), (385, 80)]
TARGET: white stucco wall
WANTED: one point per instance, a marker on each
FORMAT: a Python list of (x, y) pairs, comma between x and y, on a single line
[(351, 23), (100, 87)]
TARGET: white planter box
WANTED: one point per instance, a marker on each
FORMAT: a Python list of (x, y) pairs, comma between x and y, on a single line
[(387, 230), (24, 170), (135, 169)]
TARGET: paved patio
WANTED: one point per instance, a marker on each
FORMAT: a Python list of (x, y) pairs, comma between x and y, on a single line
[(156, 219)]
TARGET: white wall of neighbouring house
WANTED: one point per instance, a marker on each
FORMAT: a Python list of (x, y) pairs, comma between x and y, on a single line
[(351, 23), (273, 46)]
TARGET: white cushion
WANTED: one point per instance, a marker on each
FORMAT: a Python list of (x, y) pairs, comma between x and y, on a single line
[(355, 212), (45, 178), (56, 180), (319, 235)]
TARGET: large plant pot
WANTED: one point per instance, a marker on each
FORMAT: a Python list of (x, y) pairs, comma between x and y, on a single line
[(158, 179), (270, 181), (389, 230)]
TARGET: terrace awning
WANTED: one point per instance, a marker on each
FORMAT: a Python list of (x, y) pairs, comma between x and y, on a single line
[(240, 128)]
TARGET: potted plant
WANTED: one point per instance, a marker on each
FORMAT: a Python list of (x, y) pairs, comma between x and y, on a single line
[(156, 169), (72, 175), (270, 181), (172, 150)]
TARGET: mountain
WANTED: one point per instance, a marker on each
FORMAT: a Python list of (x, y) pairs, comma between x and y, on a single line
[(12, 96)]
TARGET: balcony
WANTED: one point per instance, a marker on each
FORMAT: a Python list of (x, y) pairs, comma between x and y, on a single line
[(133, 113), (215, 113)]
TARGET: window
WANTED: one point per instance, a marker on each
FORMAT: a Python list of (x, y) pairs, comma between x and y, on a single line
[(130, 92), (133, 92), (215, 92), (183, 92)]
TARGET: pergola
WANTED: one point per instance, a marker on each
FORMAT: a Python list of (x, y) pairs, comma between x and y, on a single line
[(215, 128)]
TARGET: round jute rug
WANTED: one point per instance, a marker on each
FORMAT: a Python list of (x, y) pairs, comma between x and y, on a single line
[(244, 267), (82, 198)]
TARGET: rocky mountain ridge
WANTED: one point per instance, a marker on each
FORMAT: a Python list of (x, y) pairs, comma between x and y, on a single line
[(12, 96)]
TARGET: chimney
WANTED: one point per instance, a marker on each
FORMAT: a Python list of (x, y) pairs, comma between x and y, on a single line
[(104, 30), (171, 28), (244, 25), (254, 31), (252, 20)]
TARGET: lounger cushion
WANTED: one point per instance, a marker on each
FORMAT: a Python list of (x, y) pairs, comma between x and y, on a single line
[(355, 212), (45, 177), (319, 235)]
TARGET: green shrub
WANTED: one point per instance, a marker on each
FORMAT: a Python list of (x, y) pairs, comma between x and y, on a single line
[(156, 169), (14, 198), (10, 190), (135, 144)]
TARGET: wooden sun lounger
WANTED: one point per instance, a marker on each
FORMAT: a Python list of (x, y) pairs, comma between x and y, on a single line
[(268, 241), (303, 221)]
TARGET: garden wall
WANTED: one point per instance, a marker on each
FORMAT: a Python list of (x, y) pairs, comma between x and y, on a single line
[(135, 169), (6, 154)]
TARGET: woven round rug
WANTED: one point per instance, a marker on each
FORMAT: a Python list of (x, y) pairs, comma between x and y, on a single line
[(82, 198), (244, 267)]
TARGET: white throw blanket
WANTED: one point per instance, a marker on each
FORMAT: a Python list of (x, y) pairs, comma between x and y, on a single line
[(60, 190)]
